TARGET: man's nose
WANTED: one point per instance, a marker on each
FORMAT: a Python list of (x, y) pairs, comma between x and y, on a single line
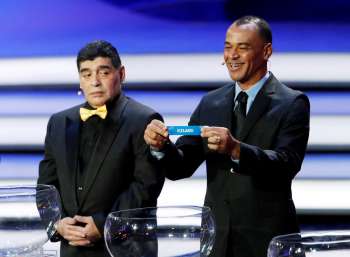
[(95, 80), (234, 54)]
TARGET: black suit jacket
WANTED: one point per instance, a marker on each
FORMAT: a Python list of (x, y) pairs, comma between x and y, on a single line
[(253, 200), (120, 175)]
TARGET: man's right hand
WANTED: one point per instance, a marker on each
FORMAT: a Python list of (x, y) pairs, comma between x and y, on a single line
[(69, 230), (156, 135)]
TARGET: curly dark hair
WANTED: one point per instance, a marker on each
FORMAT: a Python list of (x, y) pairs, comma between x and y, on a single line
[(99, 48)]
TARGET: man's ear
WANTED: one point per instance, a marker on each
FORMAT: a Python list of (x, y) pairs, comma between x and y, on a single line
[(122, 73), (267, 51)]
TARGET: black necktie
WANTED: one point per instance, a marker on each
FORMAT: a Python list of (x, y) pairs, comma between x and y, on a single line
[(239, 113)]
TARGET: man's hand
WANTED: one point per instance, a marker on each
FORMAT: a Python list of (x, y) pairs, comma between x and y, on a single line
[(156, 135), (221, 140), (68, 229), (90, 231)]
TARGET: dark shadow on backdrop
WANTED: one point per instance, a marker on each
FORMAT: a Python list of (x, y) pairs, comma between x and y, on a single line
[(228, 10)]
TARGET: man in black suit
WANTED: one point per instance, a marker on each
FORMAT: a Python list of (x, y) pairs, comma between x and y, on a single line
[(96, 156), (253, 141)]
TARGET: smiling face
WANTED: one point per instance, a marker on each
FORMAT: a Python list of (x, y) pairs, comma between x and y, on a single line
[(100, 81), (246, 54)]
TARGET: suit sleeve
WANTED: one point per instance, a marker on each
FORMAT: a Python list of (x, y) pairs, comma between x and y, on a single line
[(286, 157), (47, 168)]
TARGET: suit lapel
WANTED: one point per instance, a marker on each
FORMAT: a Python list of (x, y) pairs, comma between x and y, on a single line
[(224, 108), (104, 143), (258, 108), (72, 146)]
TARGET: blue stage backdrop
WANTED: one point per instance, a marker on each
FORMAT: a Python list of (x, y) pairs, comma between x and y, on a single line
[(55, 28)]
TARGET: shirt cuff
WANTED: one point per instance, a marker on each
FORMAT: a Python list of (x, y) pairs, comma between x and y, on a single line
[(157, 154), (234, 160)]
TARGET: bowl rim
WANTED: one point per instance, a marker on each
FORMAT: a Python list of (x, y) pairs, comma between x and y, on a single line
[(202, 210), (33, 189), (314, 237)]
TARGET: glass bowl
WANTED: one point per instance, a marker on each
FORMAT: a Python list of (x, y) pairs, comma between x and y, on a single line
[(167, 231), (311, 244), (27, 218)]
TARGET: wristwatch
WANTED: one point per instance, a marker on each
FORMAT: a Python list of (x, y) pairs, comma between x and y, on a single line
[(56, 236)]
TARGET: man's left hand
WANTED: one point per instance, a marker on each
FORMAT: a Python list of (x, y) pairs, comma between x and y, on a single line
[(91, 232), (221, 140)]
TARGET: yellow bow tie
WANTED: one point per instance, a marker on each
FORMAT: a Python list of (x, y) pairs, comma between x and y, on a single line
[(86, 113)]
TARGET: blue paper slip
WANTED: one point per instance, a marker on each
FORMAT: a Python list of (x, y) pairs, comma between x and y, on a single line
[(184, 130)]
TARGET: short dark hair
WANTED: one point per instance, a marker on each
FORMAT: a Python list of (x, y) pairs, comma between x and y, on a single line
[(262, 25), (99, 48)]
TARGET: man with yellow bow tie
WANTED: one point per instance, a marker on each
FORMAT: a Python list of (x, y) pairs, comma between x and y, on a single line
[(96, 156)]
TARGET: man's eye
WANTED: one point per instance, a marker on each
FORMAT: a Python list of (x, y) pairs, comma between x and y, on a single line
[(86, 75), (104, 73)]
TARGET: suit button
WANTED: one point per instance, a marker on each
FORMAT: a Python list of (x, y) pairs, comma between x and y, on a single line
[(232, 170), (80, 188)]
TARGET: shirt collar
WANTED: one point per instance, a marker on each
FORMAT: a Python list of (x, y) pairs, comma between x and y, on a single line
[(253, 90)]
